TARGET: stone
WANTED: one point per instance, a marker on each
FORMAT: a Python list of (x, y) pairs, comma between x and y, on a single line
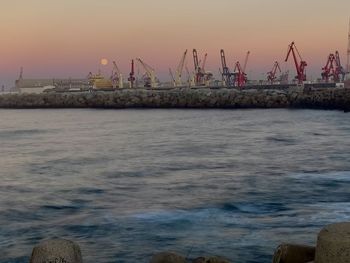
[(292, 253), (333, 244), (167, 257), (56, 251)]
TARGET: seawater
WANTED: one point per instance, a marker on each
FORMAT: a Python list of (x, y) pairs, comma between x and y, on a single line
[(125, 184)]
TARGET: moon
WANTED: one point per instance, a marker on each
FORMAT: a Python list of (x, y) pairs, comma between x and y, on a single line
[(104, 61)]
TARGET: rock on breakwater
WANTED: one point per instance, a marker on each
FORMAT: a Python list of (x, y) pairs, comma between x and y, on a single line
[(325, 98)]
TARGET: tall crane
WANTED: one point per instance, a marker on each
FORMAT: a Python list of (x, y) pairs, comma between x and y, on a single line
[(299, 66), (132, 78), (339, 70), (239, 76), (117, 77), (226, 74), (150, 76), (197, 69), (177, 82), (271, 75), (328, 71)]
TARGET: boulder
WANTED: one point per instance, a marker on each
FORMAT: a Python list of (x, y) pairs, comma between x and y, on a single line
[(167, 257), (292, 253), (333, 244), (56, 251)]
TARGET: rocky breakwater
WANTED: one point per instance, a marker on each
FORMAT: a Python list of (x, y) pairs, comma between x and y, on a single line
[(326, 98)]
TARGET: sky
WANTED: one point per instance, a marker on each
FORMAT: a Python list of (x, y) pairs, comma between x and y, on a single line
[(68, 38)]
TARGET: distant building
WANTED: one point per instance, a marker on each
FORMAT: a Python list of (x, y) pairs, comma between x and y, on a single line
[(41, 85)]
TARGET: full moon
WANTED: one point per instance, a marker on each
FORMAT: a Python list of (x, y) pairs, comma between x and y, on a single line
[(104, 61)]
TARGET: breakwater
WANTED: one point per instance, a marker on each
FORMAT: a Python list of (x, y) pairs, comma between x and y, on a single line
[(293, 97)]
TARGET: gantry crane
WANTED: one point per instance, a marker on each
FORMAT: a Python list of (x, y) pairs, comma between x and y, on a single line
[(149, 77), (299, 66), (116, 77), (226, 74), (271, 75), (132, 78)]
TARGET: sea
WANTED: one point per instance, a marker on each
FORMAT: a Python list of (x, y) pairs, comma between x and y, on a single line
[(126, 184)]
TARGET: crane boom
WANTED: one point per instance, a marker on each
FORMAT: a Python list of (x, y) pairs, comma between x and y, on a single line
[(246, 61)]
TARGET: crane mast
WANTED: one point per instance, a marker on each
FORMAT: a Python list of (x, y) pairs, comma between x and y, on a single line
[(300, 67), (172, 77)]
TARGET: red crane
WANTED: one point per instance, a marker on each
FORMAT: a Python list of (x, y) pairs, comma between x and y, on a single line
[(199, 71), (131, 78), (271, 75), (239, 77), (299, 66), (328, 70)]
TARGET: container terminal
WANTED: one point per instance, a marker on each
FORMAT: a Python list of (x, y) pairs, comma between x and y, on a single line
[(333, 74)]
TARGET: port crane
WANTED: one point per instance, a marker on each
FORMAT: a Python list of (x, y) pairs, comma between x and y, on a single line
[(198, 70), (132, 78), (328, 70), (271, 75), (177, 82), (116, 77), (299, 66), (333, 69), (149, 77), (340, 72), (227, 76), (240, 77)]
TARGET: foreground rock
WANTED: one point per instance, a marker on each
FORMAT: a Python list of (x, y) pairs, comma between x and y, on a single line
[(56, 251), (325, 98), (167, 257), (333, 246), (292, 253)]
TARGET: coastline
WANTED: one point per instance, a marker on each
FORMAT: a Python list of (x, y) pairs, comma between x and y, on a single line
[(224, 98)]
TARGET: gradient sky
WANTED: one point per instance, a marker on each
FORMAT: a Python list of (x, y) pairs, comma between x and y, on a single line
[(67, 38)]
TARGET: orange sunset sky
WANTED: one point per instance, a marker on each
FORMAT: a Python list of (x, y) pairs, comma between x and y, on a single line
[(68, 38)]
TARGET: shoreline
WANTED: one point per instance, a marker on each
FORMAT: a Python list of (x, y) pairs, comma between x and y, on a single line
[(206, 98)]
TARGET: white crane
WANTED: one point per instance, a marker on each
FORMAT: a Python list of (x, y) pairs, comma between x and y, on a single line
[(178, 73), (150, 80)]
